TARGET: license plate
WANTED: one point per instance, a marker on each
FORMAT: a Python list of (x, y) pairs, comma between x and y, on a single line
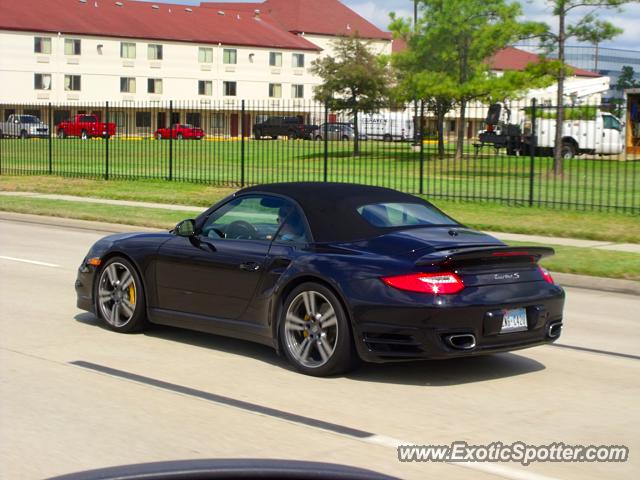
[(514, 321)]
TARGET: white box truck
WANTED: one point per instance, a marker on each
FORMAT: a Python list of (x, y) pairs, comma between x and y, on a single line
[(603, 134)]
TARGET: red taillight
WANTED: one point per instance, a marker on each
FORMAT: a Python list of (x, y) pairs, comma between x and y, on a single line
[(546, 275), (443, 283)]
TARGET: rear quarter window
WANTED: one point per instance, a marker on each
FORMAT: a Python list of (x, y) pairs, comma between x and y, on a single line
[(390, 215)]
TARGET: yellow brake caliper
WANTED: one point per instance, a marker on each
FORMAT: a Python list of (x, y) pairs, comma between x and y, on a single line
[(132, 294), (305, 334)]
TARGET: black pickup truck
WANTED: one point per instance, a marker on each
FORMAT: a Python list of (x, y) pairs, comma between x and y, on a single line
[(281, 126)]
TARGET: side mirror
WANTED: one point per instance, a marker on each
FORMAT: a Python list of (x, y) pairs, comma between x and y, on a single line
[(186, 228)]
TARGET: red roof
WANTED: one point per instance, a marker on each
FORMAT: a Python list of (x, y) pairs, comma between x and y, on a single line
[(512, 58), (141, 20), (323, 17)]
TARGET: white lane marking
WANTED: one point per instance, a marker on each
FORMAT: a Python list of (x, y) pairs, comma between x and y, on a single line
[(32, 262)]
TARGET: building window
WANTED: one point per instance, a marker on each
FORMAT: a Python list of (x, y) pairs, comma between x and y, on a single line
[(218, 121), (72, 46), (127, 85), (297, 91), (143, 119), (275, 59), (42, 45), (297, 60), (205, 87), (229, 89), (194, 119), (275, 90), (127, 50), (72, 83), (230, 56), (205, 55), (154, 85), (42, 81), (154, 52)]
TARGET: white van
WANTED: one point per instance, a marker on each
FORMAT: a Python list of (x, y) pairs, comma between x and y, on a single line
[(386, 126)]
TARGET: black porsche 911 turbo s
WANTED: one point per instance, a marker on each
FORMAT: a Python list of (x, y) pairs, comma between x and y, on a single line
[(328, 274)]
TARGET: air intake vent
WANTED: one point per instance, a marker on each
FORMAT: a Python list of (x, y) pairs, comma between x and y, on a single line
[(188, 9)]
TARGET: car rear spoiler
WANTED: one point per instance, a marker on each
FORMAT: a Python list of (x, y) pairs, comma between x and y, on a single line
[(492, 255)]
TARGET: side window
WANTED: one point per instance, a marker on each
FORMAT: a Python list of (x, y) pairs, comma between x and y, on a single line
[(611, 123), (252, 217), (293, 227)]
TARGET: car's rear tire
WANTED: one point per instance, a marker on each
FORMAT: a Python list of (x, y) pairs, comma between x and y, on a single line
[(62, 134), (84, 135), (314, 331), (23, 135), (386, 138), (119, 296), (179, 136), (158, 136)]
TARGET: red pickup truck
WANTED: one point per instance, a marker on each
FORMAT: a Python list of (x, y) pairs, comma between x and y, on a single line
[(85, 126), (180, 131)]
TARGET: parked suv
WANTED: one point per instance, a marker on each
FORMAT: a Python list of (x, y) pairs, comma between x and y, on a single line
[(281, 126), (23, 126)]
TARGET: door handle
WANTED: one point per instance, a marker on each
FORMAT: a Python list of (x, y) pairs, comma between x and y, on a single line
[(250, 266)]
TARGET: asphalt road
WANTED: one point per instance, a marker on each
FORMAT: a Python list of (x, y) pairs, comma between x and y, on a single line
[(173, 394)]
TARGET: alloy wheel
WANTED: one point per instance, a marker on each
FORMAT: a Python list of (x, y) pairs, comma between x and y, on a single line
[(311, 329), (117, 294)]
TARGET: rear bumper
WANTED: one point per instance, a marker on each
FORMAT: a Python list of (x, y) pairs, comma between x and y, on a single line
[(408, 332)]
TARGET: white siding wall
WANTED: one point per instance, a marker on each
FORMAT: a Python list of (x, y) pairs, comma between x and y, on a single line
[(102, 68)]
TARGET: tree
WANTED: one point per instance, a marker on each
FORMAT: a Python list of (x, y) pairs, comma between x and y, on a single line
[(627, 79), (449, 46), (353, 80), (586, 29)]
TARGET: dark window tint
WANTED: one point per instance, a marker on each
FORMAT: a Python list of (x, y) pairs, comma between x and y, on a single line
[(403, 215)]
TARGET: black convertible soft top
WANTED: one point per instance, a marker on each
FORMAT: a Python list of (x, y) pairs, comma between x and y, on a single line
[(331, 208)]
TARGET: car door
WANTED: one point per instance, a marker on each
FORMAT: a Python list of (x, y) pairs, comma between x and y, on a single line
[(215, 272), (611, 135)]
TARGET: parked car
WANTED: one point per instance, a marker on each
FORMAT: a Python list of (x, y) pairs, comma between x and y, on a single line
[(281, 126), (179, 131), (85, 126), (338, 131), (23, 126), (328, 273)]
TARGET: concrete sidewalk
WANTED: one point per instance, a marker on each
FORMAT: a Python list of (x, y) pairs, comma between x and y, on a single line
[(515, 237)]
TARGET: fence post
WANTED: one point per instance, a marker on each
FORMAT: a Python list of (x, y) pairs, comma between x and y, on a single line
[(106, 163), (106, 139), (170, 140), (421, 140), (326, 142), (532, 151), (50, 140), (242, 112)]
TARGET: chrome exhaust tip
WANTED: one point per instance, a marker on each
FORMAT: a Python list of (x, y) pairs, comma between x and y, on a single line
[(461, 341), (554, 330)]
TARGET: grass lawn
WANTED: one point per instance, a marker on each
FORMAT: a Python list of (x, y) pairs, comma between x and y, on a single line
[(613, 227), (585, 261), (594, 184)]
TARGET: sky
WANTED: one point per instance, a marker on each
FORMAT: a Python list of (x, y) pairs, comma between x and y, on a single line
[(377, 12)]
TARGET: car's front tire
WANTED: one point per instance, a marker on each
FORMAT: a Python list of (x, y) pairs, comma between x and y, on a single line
[(119, 296), (314, 331)]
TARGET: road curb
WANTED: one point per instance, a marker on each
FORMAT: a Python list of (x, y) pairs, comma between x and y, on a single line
[(74, 223), (597, 283), (564, 279)]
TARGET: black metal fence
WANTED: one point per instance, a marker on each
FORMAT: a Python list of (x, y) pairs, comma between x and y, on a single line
[(508, 159)]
